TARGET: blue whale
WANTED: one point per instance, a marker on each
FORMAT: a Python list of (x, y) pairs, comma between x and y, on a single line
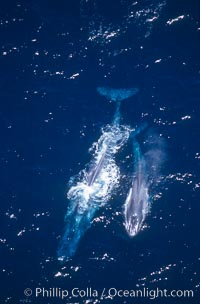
[(95, 184), (137, 204)]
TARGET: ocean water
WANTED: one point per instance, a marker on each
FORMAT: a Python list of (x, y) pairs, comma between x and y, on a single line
[(53, 56)]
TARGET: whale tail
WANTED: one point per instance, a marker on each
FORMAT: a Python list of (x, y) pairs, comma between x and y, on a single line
[(117, 94)]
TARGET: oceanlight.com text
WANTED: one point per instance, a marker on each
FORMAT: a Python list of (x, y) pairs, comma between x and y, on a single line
[(106, 293)]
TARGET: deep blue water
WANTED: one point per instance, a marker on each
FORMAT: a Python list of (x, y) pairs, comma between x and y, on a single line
[(53, 56)]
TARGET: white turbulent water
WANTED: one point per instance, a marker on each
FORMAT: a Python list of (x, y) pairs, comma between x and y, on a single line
[(112, 139), (93, 188)]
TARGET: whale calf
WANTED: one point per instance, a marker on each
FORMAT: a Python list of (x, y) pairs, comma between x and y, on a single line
[(137, 204)]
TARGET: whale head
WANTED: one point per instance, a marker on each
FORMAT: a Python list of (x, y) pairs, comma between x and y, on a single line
[(133, 226)]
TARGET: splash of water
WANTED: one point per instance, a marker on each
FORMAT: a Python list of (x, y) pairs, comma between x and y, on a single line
[(93, 188)]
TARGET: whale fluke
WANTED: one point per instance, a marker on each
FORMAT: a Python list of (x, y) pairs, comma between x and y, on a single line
[(117, 94)]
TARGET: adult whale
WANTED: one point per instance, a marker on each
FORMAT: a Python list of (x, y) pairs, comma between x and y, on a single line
[(94, 185)]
